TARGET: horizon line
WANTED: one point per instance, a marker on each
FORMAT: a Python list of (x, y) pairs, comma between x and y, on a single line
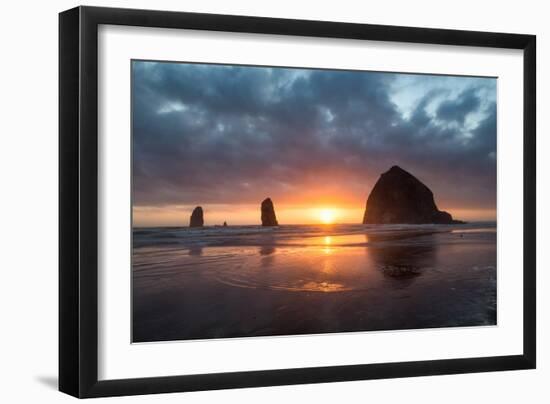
[(311, 224)]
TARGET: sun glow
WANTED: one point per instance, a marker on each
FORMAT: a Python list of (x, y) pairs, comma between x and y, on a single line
[(327, 216), (248, 214)]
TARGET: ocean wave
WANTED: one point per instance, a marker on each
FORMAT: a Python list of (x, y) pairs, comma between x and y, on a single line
[(292, 235)]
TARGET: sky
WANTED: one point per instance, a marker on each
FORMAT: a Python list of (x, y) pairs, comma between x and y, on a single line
[(225, 137)]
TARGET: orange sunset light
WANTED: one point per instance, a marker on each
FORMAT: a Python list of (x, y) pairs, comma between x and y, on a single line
[(249, 214), (327, 215)]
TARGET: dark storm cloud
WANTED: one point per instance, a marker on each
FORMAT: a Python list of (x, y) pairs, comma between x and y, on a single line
[(457, 110), (225, 134)]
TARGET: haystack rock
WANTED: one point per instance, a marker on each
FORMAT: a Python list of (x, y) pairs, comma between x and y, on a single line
[(399, 197), (268, 213), (197, 219)]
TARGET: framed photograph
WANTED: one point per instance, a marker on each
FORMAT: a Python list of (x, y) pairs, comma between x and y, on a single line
[(251, 201)]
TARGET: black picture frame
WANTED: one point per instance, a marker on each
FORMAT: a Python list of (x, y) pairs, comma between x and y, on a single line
[(78, 201)]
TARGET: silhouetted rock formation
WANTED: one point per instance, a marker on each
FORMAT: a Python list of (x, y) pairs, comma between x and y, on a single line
[(196, 219), (268, 213), (224, 224), (399, 197)]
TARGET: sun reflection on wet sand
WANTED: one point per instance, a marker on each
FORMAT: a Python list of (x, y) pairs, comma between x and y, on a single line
[(327, 267), (323, 287), (315, 268), (332, 241), (328, 241)]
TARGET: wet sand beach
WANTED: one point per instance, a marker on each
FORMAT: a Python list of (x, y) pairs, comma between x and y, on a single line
[(244, 281)]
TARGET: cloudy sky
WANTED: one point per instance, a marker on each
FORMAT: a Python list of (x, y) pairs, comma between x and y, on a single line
[(225, 137)]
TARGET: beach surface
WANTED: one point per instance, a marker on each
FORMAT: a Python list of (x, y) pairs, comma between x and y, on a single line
[(245, 281)]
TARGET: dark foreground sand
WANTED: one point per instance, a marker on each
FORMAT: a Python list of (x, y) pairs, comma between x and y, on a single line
[(318, 279)]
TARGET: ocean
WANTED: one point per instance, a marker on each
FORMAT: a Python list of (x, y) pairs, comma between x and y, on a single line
[(246, 281)]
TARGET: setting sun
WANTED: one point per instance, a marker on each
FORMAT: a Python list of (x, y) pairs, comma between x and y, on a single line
[(327, 216)]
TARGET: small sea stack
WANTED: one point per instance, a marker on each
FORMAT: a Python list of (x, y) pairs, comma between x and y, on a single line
[(197, 219), (268, 213), (224, 224), (399, 197)]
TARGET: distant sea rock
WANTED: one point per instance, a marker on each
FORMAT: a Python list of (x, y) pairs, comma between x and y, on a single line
[(268, 213), (399, 197), (196, 219)]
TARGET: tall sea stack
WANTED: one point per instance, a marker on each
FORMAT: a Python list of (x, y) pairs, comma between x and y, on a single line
[(268, 213), (196, 219), (399, 197)]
